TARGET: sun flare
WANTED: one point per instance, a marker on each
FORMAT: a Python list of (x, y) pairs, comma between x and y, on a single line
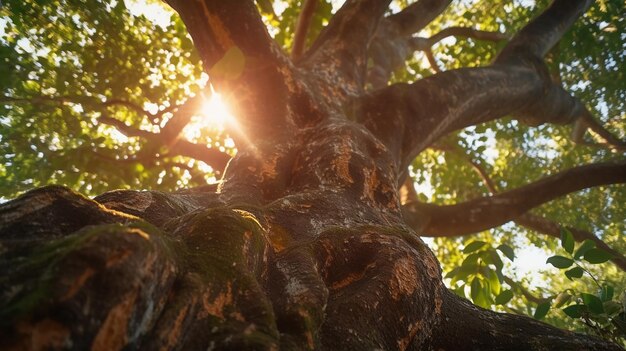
[(216, 112)]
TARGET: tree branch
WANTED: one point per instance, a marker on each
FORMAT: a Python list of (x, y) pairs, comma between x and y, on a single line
[(425, 44), (417, 15), (464, 326), (393, 44), (340, 52), (211, 156), (180, 118), (451, 100), (62, 100), (527, 294), (540, 224), (432, 60), (487, 212), (243, 62), (302, 28), (466, 32), (542, 33), (169, 135), (125, 129), (518, 83), (611, 141)]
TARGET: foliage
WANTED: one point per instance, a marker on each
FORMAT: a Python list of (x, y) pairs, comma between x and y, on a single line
[(70, 58), (601, 311)]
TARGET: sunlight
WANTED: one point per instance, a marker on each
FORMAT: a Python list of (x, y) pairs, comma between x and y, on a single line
[(216, 112), (215, 115)]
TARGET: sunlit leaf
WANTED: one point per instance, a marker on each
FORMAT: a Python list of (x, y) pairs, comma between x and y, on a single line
[(474, 246)]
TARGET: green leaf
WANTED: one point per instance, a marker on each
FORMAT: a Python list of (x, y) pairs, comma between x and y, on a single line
[(560, 261), (567, 240), (492, 257), (574, 311), (584, 247), (230, 66), (473, 246), (504, 297), (593, 303), (475, 288), (466, 270), (542, 310), (575, 272), (596, 256), (507, 251), (606, 294), (494, 282)]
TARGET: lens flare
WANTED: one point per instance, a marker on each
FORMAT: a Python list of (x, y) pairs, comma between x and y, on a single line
[(216, 112)]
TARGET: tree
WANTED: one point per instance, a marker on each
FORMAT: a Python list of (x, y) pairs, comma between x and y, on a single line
[(304, 243)]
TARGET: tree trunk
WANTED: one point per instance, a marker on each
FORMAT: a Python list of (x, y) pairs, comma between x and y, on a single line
[(303, 246)]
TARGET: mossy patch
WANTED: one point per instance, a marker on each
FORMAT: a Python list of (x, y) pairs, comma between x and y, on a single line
[(30, 276)]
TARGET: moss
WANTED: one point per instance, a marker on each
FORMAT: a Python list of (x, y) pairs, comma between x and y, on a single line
[(211, 242), (223, 247), (35, 273)]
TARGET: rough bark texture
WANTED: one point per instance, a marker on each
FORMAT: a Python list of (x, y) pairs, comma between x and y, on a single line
[(303, 245)]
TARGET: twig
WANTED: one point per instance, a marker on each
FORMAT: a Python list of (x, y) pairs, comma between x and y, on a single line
[(302, 28)]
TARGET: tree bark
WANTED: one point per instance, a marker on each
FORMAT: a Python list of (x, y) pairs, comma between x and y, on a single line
[(302, 246)]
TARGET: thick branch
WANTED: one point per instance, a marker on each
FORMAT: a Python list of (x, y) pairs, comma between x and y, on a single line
[(211, 156), (217, 26), (393, 44), (542, 33), (484, 213), (417, 15), (340, 52), (540, 224), (437, 105), (517, 84), (243, 62), (302, 28), (465, 325)]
